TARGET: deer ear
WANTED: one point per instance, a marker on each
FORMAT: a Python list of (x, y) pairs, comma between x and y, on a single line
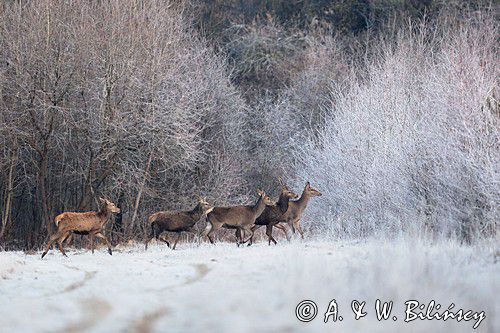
[(308, 184), (260, 192), (102, 200)]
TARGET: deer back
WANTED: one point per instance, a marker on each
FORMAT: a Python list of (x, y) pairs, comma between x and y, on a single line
[(71, 221), (173, 221), (232, 216)]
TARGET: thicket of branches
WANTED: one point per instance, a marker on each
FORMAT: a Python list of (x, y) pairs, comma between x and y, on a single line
[(397, 122), (411, 142), (112, 98)]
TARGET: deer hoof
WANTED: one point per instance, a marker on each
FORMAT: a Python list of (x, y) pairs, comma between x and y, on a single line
[(43, 254), (110, 252)]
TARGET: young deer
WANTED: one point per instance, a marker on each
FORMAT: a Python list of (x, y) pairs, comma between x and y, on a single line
[(273, 215), (177, 222), (296, 208), (89, 223), (241, 217)]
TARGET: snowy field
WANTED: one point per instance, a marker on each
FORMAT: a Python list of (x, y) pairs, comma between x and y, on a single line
[(223, 288)]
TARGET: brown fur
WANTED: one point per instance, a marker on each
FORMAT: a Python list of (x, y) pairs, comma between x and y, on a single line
[(273, 215), (177, 222), (88, 223), (240, 217), (296, 208)]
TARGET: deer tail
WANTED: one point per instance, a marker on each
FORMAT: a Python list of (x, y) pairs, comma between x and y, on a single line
[(152, 218), (58, 219)]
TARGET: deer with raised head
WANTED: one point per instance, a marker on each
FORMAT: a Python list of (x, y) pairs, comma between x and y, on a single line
[(273, 215), (88, 223), (240, 217), (175, 221), (297, 208)]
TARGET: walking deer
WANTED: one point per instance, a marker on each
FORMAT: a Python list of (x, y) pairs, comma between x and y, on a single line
[(297, 208), (240, 217), (177, 222), (88, 223), (273, 215)]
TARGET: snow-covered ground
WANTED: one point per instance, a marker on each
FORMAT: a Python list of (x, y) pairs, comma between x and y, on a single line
[(223, 288)]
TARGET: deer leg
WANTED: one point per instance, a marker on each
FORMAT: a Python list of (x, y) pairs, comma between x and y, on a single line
[(92, 242), (207, 229), (176, 240), (163, 239), (269, 233), (254, 227), (212, 229), (100, 235), (60, 241), (52, 239), (150, 237), (283, 228), (241, 235), (249, 229), (238, 236), (69, 240), (296, 225)]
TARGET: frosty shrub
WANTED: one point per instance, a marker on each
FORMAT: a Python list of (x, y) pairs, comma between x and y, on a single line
[(282, 124), (412, 143)]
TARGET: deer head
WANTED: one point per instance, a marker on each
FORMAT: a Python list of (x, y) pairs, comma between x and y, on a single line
[(111, 207), (286, 192), (312, 192), (265, 198), (205, 206)]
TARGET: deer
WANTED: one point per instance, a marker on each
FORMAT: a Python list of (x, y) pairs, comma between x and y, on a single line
[(296, 208), (176, 221), (88, 223), (240, 217), (273, 215)]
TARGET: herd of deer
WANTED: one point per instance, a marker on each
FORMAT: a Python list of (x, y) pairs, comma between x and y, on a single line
[(244, 218)]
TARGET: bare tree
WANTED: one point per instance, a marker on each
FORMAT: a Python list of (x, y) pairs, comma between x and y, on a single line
[(112, 98)]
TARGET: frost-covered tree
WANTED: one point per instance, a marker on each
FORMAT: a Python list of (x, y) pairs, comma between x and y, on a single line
[(412, 143)]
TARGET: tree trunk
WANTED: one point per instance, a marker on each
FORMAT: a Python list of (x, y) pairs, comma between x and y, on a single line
[(6, 216), (117, 230), (139, 194), (42, 189)]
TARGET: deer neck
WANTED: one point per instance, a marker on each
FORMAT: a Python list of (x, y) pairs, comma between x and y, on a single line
[(104, 214), (259, 206), (283, 203), (303, 200), (196, 213)]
